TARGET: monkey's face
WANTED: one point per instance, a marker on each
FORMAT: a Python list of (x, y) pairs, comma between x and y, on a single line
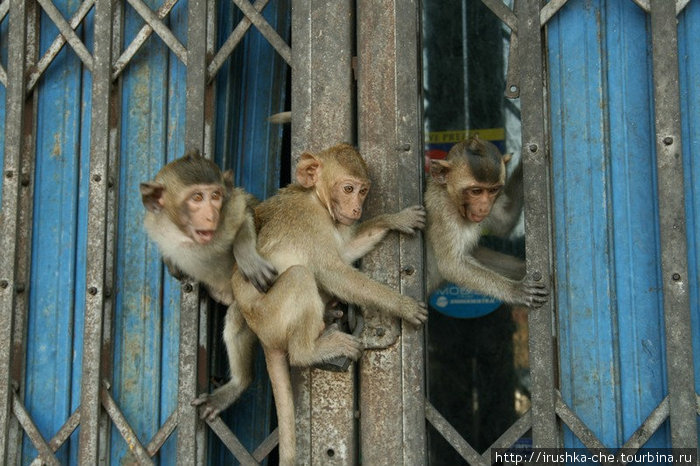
[(477, 200), (347, 196), (200, 211), (472, 196)]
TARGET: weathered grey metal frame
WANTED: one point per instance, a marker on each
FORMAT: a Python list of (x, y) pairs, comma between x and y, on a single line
[(526, 79), (106, 65), (326, 83)]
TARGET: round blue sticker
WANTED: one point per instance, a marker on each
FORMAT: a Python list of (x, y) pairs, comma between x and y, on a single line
[(454, 301)]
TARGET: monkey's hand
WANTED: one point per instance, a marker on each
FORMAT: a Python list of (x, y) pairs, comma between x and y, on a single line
[(412, 311), (532, 294), (257, 271), (409, 220)]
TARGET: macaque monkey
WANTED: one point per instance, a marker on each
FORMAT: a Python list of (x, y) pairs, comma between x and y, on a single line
[(307, 232), (203, 226), (467, 193)]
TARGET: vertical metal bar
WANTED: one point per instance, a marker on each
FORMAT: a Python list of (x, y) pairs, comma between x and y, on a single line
[(409, 138), (189, 426), (322, 115), (9, 228), (24, 231), (674, 258), (390, 138), (96, 234), (537, 220), (113, 170)]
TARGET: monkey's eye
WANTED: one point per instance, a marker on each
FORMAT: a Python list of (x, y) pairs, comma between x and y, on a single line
[(494, 191), (364, 191), (348, 189), (198, 197), (216, 195), (476, 192)]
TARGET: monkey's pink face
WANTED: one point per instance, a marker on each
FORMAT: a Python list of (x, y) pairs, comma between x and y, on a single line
[(477, 201), (347, 197), (202, 210)]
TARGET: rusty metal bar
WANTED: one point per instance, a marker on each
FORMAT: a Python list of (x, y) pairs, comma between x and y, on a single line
[(504, 13), (46, 454), (409, 148), (577, 426), (390, 138), (143, 34), (68, 32), (643, 4), (57, 45), (233, 40), (113, 170), (163, 32), (65, 431), (10, 226), (650, 425), (265, 29), (232, 443), (674, 257), (322, 115), (162, 435), (453, 437), (512, 435), (549, 10), (680, 5), (24, 229), (96, 234), (125, 429), (190, 428), (538, 206), (266, 446)]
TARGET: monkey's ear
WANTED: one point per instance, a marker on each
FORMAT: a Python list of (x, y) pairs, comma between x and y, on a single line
[(507, 157), (308, 170), (152, 196), (439, 170), (228, 178)]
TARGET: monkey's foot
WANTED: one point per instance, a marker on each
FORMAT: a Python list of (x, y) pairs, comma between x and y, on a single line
[(211, 404), (342, 363)]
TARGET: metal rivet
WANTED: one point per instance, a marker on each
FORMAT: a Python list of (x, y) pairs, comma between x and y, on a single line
[(92, 290), (668, 140), (9, 174), (676, 277), (19, 288), (404, 147), (25, 180), (187, 287), (513, 88), (380, 332), (537, 276), (110, 182), (409, 270), (533, 148), (96, 178), (330, 453), (4, 284), (108, 292)]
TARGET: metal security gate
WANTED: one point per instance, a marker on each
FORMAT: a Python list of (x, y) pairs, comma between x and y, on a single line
[(354, 77), (102, 356), (149, 83), (609, 224)]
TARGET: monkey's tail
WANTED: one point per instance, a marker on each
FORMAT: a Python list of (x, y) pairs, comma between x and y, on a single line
[(278, 370)]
